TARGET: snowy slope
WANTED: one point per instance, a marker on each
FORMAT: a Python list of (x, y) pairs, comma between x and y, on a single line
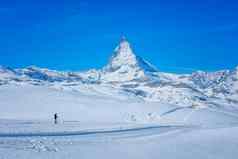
[(108, 124), (127, 109), (27, 102), (167, 142)]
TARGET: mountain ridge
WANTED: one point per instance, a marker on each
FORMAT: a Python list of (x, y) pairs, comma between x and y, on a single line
[(132, 74)]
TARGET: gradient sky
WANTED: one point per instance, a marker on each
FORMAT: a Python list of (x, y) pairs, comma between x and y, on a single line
[(174, 35)]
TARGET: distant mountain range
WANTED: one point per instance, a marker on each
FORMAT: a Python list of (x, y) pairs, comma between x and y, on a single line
[(134, 76)]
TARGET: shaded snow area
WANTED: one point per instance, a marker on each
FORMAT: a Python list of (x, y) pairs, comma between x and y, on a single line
[(105, 124)]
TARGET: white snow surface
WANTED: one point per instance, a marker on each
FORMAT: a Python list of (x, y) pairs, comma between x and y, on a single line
[(127, 110), (102, 125)]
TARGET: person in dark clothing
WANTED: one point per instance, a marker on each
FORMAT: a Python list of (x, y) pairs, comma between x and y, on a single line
[(55, 118)]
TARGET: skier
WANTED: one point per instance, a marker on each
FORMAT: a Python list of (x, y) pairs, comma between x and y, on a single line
[(55, 118)]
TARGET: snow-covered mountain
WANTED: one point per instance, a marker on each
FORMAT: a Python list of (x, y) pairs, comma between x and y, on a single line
[(125, 66), (128, 75)]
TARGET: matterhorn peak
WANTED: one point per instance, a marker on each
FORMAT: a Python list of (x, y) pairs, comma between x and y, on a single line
[(123, 55), (124, 47), (124, 62)]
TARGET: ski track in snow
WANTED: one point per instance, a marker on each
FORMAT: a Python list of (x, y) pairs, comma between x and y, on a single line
[(57, 144), (80, 133), (50, 142)]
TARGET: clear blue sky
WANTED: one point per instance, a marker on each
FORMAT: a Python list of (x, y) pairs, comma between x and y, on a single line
[(78, 35)]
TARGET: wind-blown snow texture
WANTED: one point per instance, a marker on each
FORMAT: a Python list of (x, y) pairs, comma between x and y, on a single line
[(127, 109)]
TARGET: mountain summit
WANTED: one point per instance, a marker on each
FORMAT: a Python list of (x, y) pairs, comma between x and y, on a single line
[(124, 65)]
